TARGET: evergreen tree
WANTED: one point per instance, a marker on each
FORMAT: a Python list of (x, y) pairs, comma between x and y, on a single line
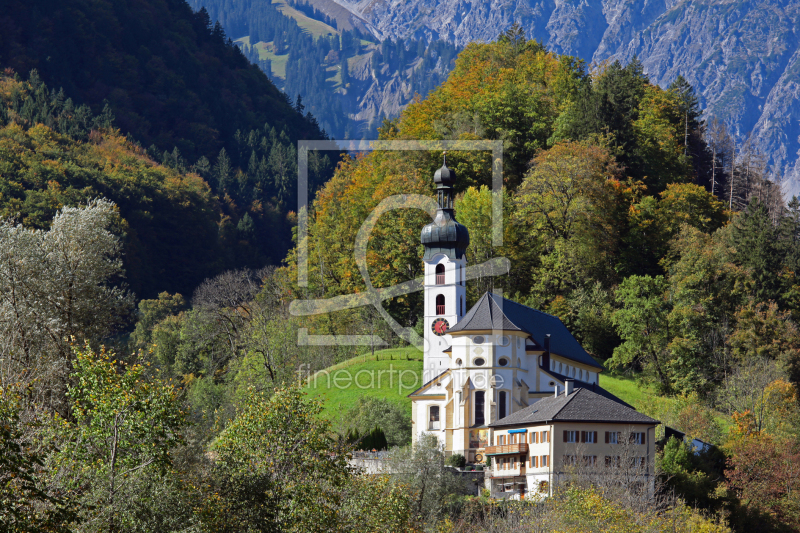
[(758, 248)]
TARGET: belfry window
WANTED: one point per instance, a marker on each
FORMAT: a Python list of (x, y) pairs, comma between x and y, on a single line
[(502, 406), (440, 274), (440, 304)]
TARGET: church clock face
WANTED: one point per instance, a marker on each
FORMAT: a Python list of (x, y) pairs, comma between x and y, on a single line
[(439, 326)]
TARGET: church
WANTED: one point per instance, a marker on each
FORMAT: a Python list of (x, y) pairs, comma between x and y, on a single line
[(511, 383)]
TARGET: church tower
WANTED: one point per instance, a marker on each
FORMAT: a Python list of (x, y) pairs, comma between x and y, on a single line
[(445, 263)]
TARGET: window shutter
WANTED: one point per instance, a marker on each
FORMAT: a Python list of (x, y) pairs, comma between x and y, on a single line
[(644, 435), (565, 436), (595, 438), (583, 436), (606, 437)]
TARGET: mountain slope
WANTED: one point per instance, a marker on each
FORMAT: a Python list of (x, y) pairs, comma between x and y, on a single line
[(171, 78), (742, 57)]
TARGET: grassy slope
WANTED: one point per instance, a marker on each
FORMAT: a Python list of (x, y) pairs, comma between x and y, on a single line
[(338, 400), (313, 27), (405, 363)]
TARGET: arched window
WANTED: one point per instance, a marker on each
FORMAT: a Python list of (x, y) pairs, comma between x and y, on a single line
[(440, 304), (434, 418), (440, 274), (502, 407), (462, 306)]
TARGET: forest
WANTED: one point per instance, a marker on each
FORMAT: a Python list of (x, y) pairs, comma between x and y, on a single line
[(148, 357)]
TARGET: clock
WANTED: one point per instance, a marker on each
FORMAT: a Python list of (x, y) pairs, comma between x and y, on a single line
[(439, 326)]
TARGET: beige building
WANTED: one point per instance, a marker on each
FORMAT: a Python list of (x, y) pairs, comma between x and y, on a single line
[(577, 432), (499, 362)]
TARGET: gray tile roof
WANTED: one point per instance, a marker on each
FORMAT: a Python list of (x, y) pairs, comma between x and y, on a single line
[(582, 405), (495, 312)]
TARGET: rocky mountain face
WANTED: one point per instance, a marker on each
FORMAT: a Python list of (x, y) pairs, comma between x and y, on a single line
[(741, 56)]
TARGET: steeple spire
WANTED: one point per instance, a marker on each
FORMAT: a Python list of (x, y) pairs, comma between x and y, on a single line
[(444, 234)]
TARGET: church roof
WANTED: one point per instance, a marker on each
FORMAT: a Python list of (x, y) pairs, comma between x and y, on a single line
[(493, 312), (582, 405)]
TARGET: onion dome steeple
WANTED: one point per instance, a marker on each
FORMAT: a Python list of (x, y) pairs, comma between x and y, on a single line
[(444, 235)]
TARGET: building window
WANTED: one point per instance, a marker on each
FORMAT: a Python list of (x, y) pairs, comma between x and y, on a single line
[(479, 405), (570, 460), (434, 417), (502, 407), (589, 437), (589, 460), (478, 339), (478, 362), (503, 361), (543, 486), (440, 304), (571, 436), (462, 306), (612, 437), (501, 440), (440, 274), (503, 341), (637, 438), (612, 461), (458, 362), (545, 436), (545, 459)]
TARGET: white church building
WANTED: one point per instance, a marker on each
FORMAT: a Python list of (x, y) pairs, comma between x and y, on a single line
[(486, 367)]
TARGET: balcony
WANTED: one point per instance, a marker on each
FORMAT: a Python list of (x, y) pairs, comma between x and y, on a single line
[(439, 309), (507, 449), (440, 279)]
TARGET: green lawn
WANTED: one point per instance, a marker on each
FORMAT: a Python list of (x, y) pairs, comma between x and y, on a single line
[(390, 374), (393, 374)]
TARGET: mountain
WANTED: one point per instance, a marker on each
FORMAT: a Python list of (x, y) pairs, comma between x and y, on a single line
[(346, 78), (742, 57)]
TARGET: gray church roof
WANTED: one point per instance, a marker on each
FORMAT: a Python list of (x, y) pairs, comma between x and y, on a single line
[(495, 312), (582, 405)]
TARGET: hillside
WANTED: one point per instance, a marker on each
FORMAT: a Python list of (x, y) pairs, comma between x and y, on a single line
[(170, 76), (183, 96), (742, 57)]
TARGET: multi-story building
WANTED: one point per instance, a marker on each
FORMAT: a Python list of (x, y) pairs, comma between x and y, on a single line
[(497, 360), (575, 432)]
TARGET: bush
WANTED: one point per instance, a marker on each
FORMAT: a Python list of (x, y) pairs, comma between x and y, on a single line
[(457, 460)]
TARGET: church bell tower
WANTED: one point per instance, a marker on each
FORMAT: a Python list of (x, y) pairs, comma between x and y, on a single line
[(445, 264)]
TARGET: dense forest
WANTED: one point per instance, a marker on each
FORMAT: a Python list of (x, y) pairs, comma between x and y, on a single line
[(669, 257), (224, 129)]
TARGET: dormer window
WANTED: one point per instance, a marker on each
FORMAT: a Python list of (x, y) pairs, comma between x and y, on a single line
[(440, 274)]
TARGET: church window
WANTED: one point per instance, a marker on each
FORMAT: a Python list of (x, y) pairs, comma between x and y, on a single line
[(458, 362), (479, 361), (477, 339), (502, 406), (440, 304), (479, 408), (440, 274), (503, 361), (503, 341), (434, 418)]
